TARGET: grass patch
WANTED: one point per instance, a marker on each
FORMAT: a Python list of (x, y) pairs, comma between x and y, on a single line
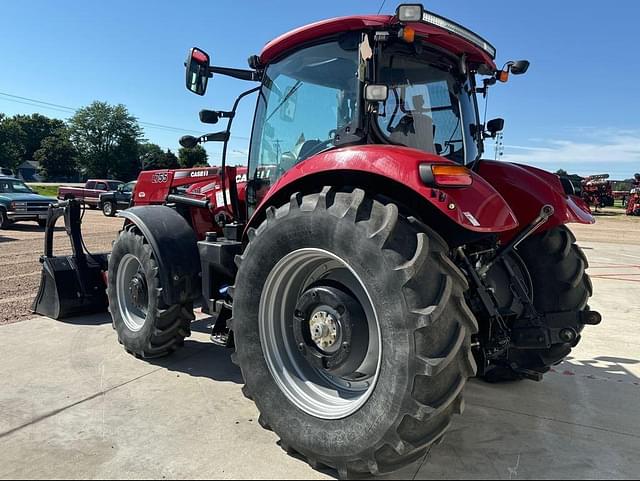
[(46, 190)]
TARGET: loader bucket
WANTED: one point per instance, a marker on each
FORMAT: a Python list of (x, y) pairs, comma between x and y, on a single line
[(71, 285)]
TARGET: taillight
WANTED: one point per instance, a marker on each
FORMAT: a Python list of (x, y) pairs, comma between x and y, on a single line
[(445, 175)]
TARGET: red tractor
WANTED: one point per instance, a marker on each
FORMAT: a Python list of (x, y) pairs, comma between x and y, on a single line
[(368, 261), (597, 191), (633, 200)]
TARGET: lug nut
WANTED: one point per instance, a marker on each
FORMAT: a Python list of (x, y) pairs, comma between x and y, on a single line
[(568, 335)]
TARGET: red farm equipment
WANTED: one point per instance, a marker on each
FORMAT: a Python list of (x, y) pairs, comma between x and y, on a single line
[(367, 261), (633, 200), (597, 191)]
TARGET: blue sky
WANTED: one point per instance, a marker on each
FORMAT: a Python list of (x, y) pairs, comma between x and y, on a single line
[(577, 108)]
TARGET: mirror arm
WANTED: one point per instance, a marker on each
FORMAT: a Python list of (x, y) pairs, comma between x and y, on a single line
[(226, 146), (241, 74)]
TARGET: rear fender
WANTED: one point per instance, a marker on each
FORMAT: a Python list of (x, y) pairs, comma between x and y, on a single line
[(175, 248), (477, 209), (527, 189)]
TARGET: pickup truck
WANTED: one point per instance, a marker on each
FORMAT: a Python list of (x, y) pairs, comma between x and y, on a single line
[(90, 193), (19, 203), (119, 199)]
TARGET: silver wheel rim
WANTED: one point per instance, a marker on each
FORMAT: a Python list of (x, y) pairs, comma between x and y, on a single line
[(108, 209), (314, 391), (134, 317)]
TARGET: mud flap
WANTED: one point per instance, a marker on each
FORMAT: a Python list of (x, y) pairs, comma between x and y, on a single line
[(71, 285)]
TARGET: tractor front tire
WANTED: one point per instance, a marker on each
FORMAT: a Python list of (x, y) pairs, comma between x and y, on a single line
[(340, 276), (146, 326), (557, 267)]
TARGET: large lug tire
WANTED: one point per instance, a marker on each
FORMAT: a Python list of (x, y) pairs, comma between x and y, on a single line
[(418, 324), (146, 327), (557, 267)]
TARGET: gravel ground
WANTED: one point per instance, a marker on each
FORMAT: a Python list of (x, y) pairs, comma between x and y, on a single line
[(20, 249)]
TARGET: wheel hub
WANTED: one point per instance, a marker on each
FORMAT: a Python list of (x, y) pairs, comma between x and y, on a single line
[(331, 329), (138, 290), (324, 330)]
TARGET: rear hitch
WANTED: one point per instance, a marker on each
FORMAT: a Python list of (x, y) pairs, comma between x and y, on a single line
[(70, 285)]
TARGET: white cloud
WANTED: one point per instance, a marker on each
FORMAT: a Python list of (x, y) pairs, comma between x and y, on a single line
[(595, 147)]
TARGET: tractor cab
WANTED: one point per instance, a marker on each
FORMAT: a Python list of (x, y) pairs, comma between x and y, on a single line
[(407, 80)]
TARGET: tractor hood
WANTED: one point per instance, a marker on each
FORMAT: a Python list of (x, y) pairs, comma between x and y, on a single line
[(20, 197)]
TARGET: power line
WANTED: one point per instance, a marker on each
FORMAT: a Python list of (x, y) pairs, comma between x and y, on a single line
[(66, 109)]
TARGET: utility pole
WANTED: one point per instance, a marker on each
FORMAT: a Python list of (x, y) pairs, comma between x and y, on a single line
[(499, 152)]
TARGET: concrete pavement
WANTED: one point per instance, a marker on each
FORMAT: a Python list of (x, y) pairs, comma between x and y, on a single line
[(74, 405)]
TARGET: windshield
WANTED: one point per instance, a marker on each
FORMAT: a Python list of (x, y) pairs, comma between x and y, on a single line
[(114, 185), (306, 100), (13, 187), (429, 108)]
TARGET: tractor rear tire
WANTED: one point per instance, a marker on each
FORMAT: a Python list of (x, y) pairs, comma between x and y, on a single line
[(560, 284), (146, 327), (410, 293)]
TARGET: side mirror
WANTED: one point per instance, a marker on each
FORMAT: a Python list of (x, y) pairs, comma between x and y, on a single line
[(189, 141), (494, 126), (198, 73), (209, 116), (520, 67), (516, 68)]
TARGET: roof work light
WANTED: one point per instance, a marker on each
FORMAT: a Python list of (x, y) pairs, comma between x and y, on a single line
[(417, 13)]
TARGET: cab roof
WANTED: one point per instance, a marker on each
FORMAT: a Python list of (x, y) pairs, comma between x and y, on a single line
[(436, 35)]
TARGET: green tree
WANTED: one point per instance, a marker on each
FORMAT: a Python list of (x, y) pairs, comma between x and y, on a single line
[(12, 139), (195, 157), (171, 160), (562, 173), (152, 157), (35, 128), (57, 156), (106, 138)]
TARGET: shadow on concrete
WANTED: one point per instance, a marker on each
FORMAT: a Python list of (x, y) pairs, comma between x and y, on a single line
[(604, 213), (90, 320), (602, 368), (202, 359), (7, 239), (31, 228)]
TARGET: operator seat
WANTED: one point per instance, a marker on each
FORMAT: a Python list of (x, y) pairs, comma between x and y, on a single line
[(416, 129)]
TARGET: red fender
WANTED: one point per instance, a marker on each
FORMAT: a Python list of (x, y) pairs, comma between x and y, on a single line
[(478, 207), (527, 189)]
